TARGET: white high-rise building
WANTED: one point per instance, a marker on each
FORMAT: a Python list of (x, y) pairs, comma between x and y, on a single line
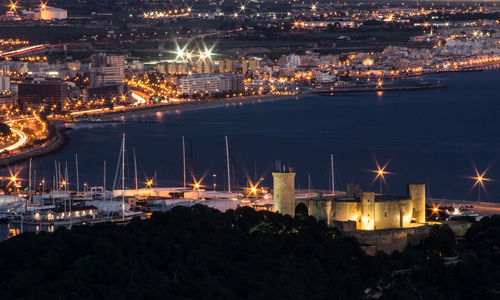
[(210, 84), (106, 69)]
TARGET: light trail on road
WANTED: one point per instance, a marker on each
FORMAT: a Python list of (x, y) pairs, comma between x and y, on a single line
[(23, 138)]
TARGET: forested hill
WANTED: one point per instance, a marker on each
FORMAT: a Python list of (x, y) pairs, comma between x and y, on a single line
[(201, 253)]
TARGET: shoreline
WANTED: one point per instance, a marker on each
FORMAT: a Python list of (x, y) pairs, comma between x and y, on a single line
[(58, 141), (192, 105)]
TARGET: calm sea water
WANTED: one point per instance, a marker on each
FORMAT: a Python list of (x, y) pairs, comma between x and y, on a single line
[(437, 137)]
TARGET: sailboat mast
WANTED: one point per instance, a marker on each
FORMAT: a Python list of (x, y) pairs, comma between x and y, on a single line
[(184, 160), (29, 193), (34, 184), (104, 183), (135, 171), (333, 175), (123, 177), (77, 175), (309, 182), (228, 171), (55, 182)]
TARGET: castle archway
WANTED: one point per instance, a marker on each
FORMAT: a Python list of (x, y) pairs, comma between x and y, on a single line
[(301, 210)]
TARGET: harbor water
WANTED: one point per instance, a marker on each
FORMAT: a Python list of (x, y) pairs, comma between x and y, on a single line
[(437, 137)]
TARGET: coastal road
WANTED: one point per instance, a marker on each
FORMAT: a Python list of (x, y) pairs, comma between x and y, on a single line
[(23, 138)]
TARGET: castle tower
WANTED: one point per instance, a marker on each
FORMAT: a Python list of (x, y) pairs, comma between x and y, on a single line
[(353, 190), (367, 200), (416, 192), (284, 192)]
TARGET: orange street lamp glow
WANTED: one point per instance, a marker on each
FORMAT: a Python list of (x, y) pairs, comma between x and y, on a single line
[(254, 188), (196, 184), (13, 178), (13, 6), (381, 172), (479, 182)]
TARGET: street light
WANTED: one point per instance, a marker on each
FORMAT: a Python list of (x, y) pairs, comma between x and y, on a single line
[(13, 6), (479, 182), (381, 172)]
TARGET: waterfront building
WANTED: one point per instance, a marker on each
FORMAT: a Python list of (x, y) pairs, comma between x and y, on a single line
[(210, 84), (37, 91), (364, 210)]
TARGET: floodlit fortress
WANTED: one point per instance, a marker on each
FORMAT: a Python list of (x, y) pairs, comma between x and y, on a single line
[(364, 209)]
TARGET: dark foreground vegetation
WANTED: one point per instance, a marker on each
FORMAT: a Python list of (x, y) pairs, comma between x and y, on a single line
[(201, 253)]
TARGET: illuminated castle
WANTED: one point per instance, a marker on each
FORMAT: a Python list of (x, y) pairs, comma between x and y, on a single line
[(367, 210)]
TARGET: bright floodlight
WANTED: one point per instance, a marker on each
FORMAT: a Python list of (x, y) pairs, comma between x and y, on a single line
[(242, 7), (208, 53), (180, 52), (202, 54)]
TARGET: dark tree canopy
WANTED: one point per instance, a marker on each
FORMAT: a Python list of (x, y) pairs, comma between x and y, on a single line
[(202, 253)]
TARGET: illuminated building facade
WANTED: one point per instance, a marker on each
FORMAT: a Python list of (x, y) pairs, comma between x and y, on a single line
[(42, 91), (250, 65), (49, 13), (228, 66), (204, 66), (368, 210), (210, 84)]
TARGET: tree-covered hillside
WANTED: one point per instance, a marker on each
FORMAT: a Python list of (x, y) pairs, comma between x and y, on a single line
[(201, 253)]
